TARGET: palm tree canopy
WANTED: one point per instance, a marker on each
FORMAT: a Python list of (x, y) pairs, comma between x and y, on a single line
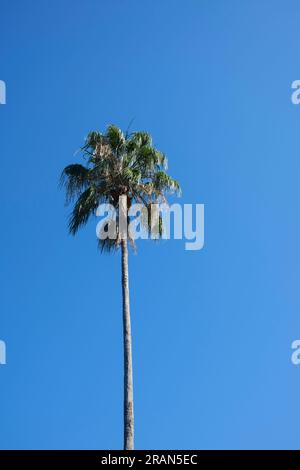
[(116, 164)]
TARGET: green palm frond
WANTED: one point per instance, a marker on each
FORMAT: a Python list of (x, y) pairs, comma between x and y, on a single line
[(108, 245), (74, 179), (93, 139), (164, 183), (85, 206), (153, 225), (115, 137)]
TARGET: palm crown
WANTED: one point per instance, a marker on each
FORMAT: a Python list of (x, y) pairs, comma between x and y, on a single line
[(117, 164)]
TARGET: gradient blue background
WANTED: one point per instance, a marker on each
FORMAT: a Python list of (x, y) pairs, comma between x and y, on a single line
[(211, 80)]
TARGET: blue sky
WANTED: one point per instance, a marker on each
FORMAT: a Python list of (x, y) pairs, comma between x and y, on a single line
[(211, 81)]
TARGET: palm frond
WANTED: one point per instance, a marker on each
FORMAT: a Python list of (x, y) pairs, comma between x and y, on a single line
[(115, 137), (163, 182), (74, 179), (108, 245), (152, 221), (93, 139), (85, 206), (142, 138)]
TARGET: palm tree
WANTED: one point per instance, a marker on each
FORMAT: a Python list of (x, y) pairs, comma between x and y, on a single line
[(117, 167)]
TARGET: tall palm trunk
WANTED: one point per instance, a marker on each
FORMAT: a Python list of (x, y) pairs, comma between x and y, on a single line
[(128, 382)]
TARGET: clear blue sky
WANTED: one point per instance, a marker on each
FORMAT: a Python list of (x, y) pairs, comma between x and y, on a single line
[(212, 329)]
